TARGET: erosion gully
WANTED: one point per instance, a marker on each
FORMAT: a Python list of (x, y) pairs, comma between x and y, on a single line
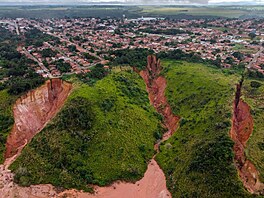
[(153, 184), (31, 113), (242, 128), (34, 110)]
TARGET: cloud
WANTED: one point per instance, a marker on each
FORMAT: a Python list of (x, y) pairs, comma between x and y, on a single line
[(121, 1), (160, 2), (169, 1)]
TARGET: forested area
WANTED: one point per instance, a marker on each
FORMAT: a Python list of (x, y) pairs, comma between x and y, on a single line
[(137, 57), (63, 66), (36, 37), (133, 57), (98, 72), (16, 73)]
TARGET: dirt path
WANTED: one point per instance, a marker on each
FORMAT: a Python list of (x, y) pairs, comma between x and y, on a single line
[(242, 128)]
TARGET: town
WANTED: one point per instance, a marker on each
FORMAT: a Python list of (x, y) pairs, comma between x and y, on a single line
[(132, 98), (76, 45)]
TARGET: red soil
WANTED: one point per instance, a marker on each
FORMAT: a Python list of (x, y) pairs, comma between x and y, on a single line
[(156, 86), (33, 110), (152, 185), (30, 117), (242, 128)]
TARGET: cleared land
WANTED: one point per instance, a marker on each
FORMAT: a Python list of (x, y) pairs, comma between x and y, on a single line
[(243, 49), (198, 158)]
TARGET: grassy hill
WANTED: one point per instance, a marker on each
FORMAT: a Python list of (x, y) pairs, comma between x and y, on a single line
[(6, 119), (253, 91), (104, 133), (198, 158)]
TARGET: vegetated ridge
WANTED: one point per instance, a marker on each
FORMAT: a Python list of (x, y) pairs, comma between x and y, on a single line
[(154, 178), (253, 95), (241, 130), (95, 138), (153, 184), (198, 160)]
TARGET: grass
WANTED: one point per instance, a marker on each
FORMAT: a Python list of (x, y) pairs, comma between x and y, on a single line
[(130, 11), (6, 119), (254, 96), (196, 11), (242, 48), (109, 136), (198, 158)]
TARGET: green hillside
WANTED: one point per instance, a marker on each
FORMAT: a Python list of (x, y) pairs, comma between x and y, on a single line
[(6, 119), (104, 133), (253, 91), (198, 158)]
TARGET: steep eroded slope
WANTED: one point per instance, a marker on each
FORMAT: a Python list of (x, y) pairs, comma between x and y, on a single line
[(242, 128), (156, 85), (198, 159), (32, 112), (100, 144)]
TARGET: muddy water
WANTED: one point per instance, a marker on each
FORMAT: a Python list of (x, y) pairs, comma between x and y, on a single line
[(242, 128)]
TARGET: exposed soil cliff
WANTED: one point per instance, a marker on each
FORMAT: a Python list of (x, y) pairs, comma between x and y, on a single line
[(156, 86), (152, 185), (32, 111), (242, 128)]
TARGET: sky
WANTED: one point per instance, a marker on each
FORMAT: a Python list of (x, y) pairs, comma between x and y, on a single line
[(132, 1)]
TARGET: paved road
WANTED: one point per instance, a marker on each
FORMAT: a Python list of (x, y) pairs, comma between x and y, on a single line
[(73, 61), (13, 24), (39, 63), (255, 58), (17, 29), (81, 49)]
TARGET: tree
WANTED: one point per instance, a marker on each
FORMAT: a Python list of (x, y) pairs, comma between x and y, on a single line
[(72, 48), (252, 35), (238, 55)]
